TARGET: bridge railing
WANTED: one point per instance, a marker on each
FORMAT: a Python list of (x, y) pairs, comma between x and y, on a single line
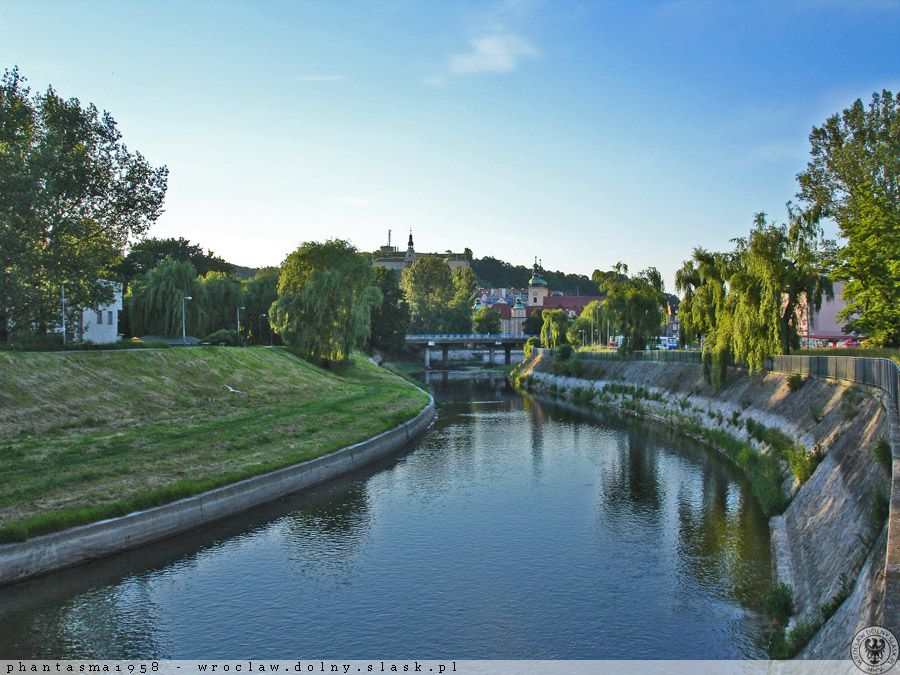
[(464, 336)]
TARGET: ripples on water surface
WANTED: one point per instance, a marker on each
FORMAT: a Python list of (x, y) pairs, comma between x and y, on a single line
[(516, 529)]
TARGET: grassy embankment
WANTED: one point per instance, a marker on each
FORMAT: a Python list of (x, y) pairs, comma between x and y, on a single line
[(93, 435)]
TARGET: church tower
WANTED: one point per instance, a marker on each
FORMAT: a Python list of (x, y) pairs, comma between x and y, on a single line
[(410, 250), (537, 288)]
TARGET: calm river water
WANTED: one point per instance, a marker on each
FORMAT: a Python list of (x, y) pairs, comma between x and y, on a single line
[(518, 528)]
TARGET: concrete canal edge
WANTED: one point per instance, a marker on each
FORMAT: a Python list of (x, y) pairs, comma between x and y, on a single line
[(59, 550)]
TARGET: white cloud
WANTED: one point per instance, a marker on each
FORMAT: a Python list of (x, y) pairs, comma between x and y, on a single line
[(499, 53), (319, 78)]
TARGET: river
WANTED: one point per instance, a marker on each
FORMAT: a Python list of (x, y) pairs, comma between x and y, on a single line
[(517, 528)]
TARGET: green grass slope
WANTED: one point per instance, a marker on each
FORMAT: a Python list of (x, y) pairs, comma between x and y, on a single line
[(86, 436)]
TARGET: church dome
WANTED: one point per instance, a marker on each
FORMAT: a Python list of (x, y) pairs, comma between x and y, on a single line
[(536, 281)]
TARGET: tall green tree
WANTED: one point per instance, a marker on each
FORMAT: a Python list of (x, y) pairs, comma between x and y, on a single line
[(146, 254), (259, 293), (458, 317), (486, 321), (155, 300), (534, 322), (71, 197), (220, 297), (326, 293), (428, 287), (853, 176), (390, 320), (553, 332)]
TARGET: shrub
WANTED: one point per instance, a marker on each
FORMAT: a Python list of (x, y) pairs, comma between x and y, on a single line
[(564, 352), (879, 510), (529, 346), (881, 450), (817, 412), (850, 401), (795, 381), (778, 602), (223, 336)]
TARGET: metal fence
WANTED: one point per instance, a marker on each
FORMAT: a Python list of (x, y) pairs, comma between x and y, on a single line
[(679, 356)]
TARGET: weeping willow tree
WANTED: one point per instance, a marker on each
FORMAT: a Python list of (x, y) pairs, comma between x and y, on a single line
[(703, 312), (553, 331), (779, 269), (745, 305), (220, 297), (326, 293), (155, 300)]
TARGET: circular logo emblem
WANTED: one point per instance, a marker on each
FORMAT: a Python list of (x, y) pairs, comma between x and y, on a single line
[(874, 650)]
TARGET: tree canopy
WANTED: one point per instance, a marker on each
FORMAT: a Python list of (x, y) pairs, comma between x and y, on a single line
[(71, 197), (853, 177), (486, 321), (146, 254), (326, 293), (390, 320)]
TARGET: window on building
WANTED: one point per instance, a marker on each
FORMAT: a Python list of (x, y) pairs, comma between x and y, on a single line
[(109, 317), (535, 299), (99, 317)]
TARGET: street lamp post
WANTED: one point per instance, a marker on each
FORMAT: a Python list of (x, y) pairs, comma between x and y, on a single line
[(264, 316), (184, 300), (240, 337), (63, 287)]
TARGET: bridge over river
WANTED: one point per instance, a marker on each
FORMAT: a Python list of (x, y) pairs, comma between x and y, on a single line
[(503, 341)]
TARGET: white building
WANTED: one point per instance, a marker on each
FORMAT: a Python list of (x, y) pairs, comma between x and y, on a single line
[(100, 325)]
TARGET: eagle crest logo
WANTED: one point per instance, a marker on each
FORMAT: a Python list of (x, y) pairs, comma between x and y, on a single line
[(874, 650)]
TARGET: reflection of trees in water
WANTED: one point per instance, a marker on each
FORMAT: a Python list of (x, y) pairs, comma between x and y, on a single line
[(722, 534), (536, 420), (631, 481), (722, 537)]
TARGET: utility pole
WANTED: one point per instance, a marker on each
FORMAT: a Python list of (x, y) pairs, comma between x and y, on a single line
[(240, 337)]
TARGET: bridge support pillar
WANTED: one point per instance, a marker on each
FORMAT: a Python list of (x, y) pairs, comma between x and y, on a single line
[(507, 354), (427, 357), (444, 353), (491, 356)]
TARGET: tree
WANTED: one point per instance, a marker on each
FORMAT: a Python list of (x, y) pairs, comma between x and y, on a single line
[(220, 297), (534, 322), (775, 269), (458, 318), (632, 304), (155, 300), (854, 178), (703, 312), (71, 197), (325, 299), (553, 332), (148, 253), (259, 293), (486, 321), (579, 331), (390, 320), (428, 287)]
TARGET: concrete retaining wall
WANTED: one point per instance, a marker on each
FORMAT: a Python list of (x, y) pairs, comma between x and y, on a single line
[(59, 550)]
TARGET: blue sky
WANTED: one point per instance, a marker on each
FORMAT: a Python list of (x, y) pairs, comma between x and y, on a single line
[(583, 133)]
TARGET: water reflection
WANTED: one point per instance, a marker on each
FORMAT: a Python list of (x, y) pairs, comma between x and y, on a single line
[(519, 528)]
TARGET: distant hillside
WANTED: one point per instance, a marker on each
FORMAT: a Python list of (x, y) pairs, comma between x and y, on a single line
[(242, 272), (494, 273)]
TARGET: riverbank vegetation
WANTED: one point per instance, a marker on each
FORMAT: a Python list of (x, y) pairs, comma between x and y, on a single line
[(88, 436)]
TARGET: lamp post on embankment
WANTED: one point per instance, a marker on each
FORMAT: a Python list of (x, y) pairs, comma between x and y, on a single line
[(184, 300)]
